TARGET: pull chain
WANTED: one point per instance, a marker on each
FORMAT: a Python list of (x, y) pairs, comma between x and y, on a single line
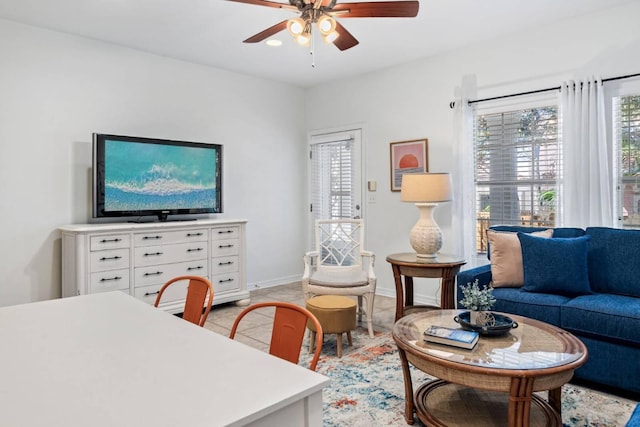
[(311, 51)]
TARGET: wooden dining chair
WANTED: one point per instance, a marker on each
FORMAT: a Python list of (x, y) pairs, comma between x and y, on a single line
[(199, 298), (289, 326)]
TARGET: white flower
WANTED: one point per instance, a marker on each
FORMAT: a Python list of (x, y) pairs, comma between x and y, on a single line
[(477, 299)]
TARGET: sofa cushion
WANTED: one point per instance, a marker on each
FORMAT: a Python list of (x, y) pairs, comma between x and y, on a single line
[(613, 261), (543, 307), (605, 316), (555, 266), (567, 232), (506, 257)]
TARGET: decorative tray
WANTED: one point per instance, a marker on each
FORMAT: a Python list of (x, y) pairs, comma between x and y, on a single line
[(501, 325)]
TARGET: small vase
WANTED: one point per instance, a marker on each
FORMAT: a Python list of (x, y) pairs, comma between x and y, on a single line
[(473, 316)]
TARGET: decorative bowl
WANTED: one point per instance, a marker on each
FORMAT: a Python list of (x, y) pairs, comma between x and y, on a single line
[(503, 324)]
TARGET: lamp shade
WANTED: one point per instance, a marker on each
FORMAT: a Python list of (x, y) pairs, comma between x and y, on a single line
[(426, 188)]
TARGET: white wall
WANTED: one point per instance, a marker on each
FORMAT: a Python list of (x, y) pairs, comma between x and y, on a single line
[(56, 89), (412, 101)]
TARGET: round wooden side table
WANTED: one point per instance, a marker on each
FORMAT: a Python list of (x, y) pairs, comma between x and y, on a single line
[(407, 264)]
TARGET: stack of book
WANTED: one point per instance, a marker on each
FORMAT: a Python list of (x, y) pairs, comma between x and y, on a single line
[(453, 337)]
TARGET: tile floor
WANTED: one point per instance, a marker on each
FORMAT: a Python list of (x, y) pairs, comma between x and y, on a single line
[(255, 329)]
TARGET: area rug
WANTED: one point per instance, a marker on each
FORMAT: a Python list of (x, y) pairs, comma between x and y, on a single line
[(367, 389)]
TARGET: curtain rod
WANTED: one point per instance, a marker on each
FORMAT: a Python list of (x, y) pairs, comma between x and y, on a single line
[(452, 104)]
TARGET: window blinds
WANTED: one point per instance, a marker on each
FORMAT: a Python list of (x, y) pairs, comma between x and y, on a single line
[(517, 164), (332, 179), (626, 119)]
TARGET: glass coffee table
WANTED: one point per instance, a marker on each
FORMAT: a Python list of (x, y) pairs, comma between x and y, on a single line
[(494, 383)]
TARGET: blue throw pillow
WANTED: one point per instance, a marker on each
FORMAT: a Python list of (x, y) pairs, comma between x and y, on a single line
[(555, 266)]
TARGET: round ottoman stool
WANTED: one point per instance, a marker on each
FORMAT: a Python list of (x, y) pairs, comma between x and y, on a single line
[(336, 314)]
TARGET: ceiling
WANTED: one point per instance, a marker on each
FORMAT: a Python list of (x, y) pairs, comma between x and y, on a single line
[(210, 32)]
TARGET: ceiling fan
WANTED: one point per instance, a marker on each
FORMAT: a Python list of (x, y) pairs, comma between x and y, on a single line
[(323, 14)]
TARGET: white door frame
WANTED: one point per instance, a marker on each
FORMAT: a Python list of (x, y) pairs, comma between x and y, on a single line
[(357, 132)]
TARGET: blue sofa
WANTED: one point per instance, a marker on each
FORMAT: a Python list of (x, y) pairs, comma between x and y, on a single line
[(605, 315)]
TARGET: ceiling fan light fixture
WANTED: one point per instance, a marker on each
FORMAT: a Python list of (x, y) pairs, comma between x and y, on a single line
[(303, 39), (326, 25), (331, 37), (295, 26)]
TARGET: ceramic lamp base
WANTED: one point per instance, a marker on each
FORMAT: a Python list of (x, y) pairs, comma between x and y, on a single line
[(426, 236)]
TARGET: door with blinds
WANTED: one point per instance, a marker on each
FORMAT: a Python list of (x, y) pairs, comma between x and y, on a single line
[(335, 176)]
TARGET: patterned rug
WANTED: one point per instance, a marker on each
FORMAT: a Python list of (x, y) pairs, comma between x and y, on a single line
[(367, 389)]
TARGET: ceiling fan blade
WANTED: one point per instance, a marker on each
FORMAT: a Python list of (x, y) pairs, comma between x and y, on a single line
[(345, 39), (379, 9), (262, 35), (267, 3)]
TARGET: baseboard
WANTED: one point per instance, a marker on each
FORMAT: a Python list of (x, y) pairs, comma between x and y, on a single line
[(275, 282), (417, 298)]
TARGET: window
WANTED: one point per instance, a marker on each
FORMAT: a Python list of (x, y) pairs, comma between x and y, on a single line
[(627, 135), (335, 176), (517, 167)]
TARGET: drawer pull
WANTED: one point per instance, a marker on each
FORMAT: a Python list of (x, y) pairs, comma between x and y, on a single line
[(110, 258), (225, 231), (110, 240), (225, 246), (151, 237), (194, 234), (110, 279), (195, 268), (152, 253), (157, 273), (225, 280), (225, 263), (195, 250), (146, 294)]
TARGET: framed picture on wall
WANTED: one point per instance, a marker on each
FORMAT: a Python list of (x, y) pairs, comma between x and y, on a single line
[(408, 157)]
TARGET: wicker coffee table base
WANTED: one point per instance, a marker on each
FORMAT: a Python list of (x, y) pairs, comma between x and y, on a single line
[(441, 404)]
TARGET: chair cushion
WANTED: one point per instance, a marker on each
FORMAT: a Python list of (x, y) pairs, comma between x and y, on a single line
[(338, 279), (555, 266), (506, 257), (335, 313)]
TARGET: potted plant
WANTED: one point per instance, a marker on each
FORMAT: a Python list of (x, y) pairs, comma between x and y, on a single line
[(477, 300)]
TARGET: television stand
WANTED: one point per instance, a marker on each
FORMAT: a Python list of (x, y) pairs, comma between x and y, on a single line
[(138, 258), (166, 218)]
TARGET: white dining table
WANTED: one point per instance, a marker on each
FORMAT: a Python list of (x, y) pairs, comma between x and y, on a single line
[(108, 359)]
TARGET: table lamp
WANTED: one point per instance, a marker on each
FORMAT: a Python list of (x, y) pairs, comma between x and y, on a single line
[(426, 190)]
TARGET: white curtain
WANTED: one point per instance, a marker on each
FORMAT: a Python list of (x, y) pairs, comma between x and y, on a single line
[(586, 192), (464, 217)]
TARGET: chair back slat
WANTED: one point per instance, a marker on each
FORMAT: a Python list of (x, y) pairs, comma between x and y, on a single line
[(289, 327), (339, 243), (198, 301), (195, 303)]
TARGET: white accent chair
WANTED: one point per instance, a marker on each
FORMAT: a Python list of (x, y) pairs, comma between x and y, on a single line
[(339, 265)]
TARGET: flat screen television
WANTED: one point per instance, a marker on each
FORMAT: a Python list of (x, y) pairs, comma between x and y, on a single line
[(138, 177)]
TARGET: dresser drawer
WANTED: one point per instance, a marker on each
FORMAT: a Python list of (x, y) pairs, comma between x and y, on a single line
[(228, 264), (113, 241), (109, 281), (225, 247), (169, 237), (109, 260), (175, 292), (224, 233), (225, 282), (165, 254), (160, 274)]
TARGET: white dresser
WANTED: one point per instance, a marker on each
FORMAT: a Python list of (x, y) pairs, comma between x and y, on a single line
[(139, 258)]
